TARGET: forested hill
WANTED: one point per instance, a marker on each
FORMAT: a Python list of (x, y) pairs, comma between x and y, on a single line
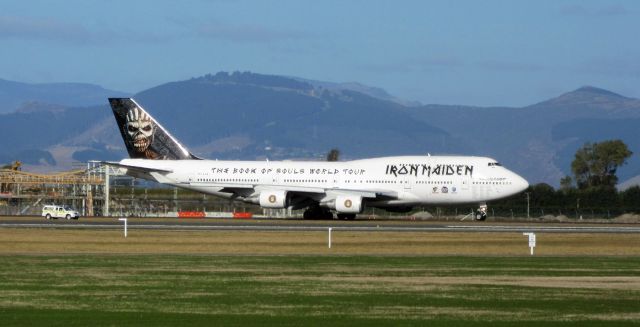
[(255, 116), (246, 116)]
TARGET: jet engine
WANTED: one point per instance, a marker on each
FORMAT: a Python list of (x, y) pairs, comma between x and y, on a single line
[(348, 204), (276, 199)]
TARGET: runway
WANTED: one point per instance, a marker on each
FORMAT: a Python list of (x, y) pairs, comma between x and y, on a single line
[(303, 225)]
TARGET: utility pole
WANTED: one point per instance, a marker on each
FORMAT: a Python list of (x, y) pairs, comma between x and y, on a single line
[(105, 210), (527, 193), (578, 209), (175, 198)]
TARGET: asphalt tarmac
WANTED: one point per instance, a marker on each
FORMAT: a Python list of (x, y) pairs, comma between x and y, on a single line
[(311, 225)]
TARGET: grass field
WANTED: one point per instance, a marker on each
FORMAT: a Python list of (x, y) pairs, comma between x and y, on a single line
[(69, 241), (84, 277)]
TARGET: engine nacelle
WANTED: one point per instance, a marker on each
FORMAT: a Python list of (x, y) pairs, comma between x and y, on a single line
[(349, 204), (275, 199)]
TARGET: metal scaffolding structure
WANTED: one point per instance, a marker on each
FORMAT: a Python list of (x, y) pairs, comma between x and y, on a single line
[(23, 193), (102, 190)]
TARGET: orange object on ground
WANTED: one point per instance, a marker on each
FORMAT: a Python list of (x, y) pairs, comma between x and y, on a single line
[(242, 215), (191, 214)]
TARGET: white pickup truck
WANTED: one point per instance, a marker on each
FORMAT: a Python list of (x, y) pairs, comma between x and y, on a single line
[(55, 211)]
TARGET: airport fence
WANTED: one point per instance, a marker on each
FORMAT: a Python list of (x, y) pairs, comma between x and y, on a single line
[(129, 200)]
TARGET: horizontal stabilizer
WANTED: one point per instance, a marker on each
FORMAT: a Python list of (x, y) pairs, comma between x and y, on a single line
[(136, 168)]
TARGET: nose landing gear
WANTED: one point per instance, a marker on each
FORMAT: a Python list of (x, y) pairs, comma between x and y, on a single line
[(481, 213)]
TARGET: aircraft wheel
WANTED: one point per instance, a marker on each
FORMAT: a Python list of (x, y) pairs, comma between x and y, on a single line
[(315, 213), (308, 214)]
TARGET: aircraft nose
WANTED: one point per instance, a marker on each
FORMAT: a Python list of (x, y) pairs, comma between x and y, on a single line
[(520, 183)]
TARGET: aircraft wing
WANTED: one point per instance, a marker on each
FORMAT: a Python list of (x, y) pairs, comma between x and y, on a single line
[(149, 173), (302, 191), (313, 192), (364, 194)]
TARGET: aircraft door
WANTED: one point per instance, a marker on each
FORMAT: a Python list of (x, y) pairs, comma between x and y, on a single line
[(335, 179), (407, 183), (466, 184), (468, 190), (270, 178)]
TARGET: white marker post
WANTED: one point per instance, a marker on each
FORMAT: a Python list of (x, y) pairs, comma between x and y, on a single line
[(330, 236), (532, 240), (125, 226)]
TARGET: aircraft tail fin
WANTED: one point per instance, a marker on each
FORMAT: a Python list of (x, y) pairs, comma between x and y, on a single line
[(143, 136)]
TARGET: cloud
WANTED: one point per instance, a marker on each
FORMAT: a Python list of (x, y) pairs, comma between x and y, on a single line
[(506, 66), (450, 63), (439, 61), (583, 11), (415, 65), (53, 30), (618, 67), (43, 29), (246, 33)]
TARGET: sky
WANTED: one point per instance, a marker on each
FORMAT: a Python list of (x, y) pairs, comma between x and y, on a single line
[(488, 53)]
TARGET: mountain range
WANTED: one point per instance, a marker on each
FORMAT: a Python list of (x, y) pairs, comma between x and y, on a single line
[(14, 95), (254, 116)]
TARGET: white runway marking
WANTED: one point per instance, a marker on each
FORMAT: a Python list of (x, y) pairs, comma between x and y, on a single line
[(442, 228)]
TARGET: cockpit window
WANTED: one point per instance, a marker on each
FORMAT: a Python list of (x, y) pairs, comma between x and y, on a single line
[(492, 164)]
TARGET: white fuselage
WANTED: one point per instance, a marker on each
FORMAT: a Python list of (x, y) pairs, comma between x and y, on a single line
[(392, 181)]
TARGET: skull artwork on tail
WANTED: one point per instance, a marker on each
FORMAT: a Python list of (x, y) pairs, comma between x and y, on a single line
[(140, 129)]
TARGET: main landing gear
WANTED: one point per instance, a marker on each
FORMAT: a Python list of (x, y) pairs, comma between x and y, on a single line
[(316, 212), (347, 216)]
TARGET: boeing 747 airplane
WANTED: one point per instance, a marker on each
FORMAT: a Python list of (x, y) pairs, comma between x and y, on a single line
[(393, 183)]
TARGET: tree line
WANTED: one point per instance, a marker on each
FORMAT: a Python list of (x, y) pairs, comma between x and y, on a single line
[(591, 189)]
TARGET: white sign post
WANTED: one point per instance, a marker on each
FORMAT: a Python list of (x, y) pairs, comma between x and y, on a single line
[(532, 240), (125, 225), (330, 236)]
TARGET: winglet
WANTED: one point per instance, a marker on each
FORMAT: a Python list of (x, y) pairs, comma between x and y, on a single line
[(143, 136)]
